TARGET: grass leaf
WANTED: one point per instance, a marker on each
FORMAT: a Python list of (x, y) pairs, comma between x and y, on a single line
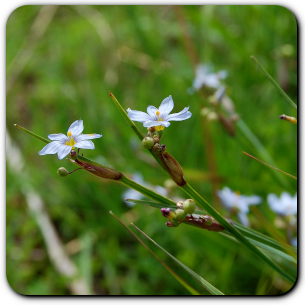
[(213, 290), (288, 99)]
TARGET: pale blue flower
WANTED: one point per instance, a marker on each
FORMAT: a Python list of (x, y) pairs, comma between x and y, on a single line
[(133, 194), (159, 118), (234, 201), (285, 205), (294, 242), (62, 144), (205, 77)]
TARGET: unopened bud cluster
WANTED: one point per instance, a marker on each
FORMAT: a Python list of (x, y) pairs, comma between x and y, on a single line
[(151, 141), (175, 217)]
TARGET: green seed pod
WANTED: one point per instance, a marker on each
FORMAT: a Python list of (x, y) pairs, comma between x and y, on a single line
[(180, 214), (189, 206), (62, 172), (148, 143)]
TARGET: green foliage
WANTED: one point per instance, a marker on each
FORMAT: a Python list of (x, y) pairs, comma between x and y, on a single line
[(138, 53)]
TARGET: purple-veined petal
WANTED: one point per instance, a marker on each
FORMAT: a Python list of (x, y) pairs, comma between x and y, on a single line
[(85, 145), (166, 106), (151, 110), (138, 116), (51, 148), (90, 136), (76, 128), (58, 137), (180, 116), (63, 151), (156, 123)]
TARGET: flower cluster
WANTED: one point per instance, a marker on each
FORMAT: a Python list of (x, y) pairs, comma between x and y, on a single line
[(183, 209)]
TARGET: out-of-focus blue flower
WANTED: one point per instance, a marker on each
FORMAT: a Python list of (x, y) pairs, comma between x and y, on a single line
[(133, 194), (234, 201), (294, 242), (205, 77), (285, 205)]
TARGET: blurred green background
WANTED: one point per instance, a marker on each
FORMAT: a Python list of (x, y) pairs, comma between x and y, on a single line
[(61, 63)]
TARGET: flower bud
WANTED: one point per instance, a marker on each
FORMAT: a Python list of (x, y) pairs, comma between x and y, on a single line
[(97, 169), (172, 223), (173, 168), (73, 154), (189, 206), (288, 118), (208, 220), (168, 213), (180, 204), (156, 139), (148, 143), (62, 172), (157, 149), (180, 214), (151, 129)]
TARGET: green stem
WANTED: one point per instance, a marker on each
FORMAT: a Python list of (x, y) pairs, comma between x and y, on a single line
[(146, 192), (261, 149), (243, 240), (33, 134), (281, 91)]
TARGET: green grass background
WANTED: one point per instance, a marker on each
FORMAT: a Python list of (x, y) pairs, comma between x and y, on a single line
[(138, 53)]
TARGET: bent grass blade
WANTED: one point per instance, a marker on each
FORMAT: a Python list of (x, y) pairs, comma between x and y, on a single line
[(177, 277), (213, 290), (281, 91), (270, 166)]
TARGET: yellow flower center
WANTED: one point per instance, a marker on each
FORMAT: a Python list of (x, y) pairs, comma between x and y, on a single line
[(71, 141), (160, 127)]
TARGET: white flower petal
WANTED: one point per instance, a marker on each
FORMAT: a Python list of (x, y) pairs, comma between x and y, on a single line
[(180, 116), (254, 199), (58, 137), (151, 110), (166, 106), (156, 123), (50, 148), (138, 116), (243, 219), (90, 136), (85, 145), (76, 128), (63, 151)]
